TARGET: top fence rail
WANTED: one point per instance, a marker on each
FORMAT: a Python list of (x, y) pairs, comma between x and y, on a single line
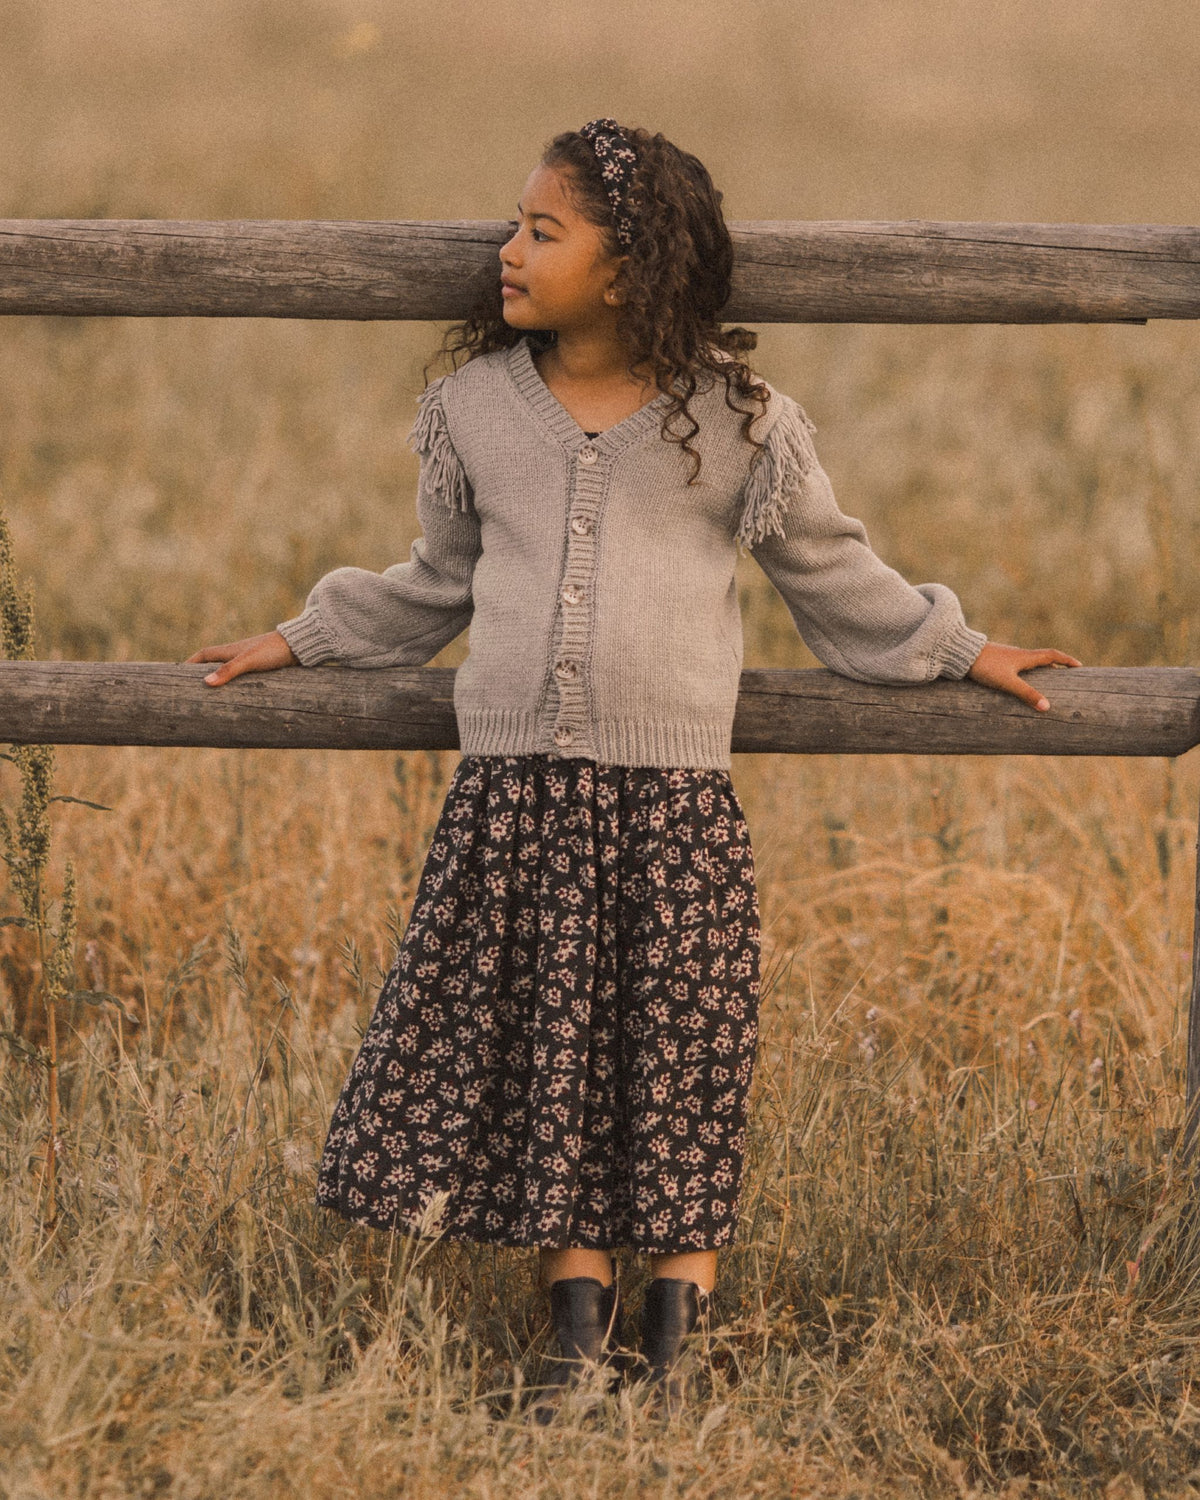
[(807, 271)]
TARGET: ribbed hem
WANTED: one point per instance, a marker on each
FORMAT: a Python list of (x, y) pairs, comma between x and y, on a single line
[(620, 742), (657, 742), (309, 639), (958, 654), (498, 731)]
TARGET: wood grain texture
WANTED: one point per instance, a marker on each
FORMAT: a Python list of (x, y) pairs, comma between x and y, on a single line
[(908, 271), (1095, 710)]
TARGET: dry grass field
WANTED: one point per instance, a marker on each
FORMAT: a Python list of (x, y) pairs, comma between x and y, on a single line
[(964, 1266)]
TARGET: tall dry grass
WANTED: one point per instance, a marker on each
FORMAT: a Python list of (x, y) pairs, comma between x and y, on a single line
[(963, 1264)]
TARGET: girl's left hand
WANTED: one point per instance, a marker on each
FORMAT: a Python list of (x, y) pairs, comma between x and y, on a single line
[(997, 666)]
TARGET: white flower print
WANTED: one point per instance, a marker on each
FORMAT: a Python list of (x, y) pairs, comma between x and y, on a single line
[(658, 952)]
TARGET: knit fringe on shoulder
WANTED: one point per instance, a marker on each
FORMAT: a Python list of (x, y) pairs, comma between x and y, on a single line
[(444, 473), (788, 455)]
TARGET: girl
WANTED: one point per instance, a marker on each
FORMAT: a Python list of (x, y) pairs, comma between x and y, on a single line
[(565, 1042)]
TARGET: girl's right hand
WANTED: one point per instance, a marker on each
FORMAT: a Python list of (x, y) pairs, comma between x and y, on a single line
[(258, 653)]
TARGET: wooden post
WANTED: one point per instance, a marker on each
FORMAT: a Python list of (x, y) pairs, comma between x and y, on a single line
[(1192, 1100)]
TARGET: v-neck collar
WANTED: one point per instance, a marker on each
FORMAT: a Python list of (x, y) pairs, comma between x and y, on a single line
[(560, 421)]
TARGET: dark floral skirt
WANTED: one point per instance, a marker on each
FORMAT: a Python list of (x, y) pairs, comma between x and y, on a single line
[(564, 1044)]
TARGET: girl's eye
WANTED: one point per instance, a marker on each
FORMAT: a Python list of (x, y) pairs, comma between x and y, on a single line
[(538, 234)]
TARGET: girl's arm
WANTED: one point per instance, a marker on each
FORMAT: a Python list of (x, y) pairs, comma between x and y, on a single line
[(402, 616), (856, 614)]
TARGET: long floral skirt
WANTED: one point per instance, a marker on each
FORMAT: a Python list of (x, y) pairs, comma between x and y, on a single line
[(564, 1044)]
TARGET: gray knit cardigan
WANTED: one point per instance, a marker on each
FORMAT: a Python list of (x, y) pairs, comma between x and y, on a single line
[(599, 586)]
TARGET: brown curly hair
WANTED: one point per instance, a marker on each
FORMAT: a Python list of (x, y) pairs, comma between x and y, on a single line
[(676, 279)]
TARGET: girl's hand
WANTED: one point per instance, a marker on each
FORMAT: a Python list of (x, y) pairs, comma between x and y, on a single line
[(258, 653), (997, 666)]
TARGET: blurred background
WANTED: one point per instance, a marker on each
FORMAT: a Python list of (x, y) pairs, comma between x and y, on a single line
[(974, 970), (180, 481)]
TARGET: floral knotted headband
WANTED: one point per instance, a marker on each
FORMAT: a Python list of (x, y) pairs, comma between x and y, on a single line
[(617, 160)]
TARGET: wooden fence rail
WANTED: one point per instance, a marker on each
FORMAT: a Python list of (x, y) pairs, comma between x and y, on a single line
[(1094, 710), (909, 271)]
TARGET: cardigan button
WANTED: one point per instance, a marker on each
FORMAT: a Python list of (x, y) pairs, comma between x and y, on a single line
[(563, 735), (571, 594), (587, 454), (567, 670), (581, 525)]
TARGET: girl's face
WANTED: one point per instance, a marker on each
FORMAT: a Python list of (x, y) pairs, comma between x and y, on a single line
[(555, 270)]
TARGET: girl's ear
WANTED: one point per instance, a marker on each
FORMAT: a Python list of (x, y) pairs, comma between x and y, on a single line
[(612, 295)]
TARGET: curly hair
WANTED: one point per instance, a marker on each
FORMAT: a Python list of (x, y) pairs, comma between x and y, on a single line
[(676, 278)]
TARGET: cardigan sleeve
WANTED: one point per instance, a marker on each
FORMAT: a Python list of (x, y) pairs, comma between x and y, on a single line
[(406, 614), (857, 615)]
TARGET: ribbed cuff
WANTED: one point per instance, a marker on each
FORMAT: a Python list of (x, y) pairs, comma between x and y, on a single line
[(309, 638), (958, 653)]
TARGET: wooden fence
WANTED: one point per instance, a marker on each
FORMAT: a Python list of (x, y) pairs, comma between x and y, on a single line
[(910, 271)]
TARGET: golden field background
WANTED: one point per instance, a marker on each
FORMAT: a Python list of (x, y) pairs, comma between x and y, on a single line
[(963, 1265)]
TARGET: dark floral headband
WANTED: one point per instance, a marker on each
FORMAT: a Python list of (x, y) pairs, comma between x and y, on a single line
[(617, 160)]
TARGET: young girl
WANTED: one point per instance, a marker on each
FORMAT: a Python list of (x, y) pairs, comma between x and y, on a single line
[(565, 1043)]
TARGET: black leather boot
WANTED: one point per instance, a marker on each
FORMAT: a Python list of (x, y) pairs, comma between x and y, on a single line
[(587, 1327), (670, 1312)]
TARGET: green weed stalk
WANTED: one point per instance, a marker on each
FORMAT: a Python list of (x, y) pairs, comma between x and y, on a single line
[(25, 849)]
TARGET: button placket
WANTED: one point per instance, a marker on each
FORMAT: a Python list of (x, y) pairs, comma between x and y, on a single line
[(574, 613)]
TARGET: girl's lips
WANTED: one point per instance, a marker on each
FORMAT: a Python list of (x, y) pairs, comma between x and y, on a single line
[(511, 291)]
